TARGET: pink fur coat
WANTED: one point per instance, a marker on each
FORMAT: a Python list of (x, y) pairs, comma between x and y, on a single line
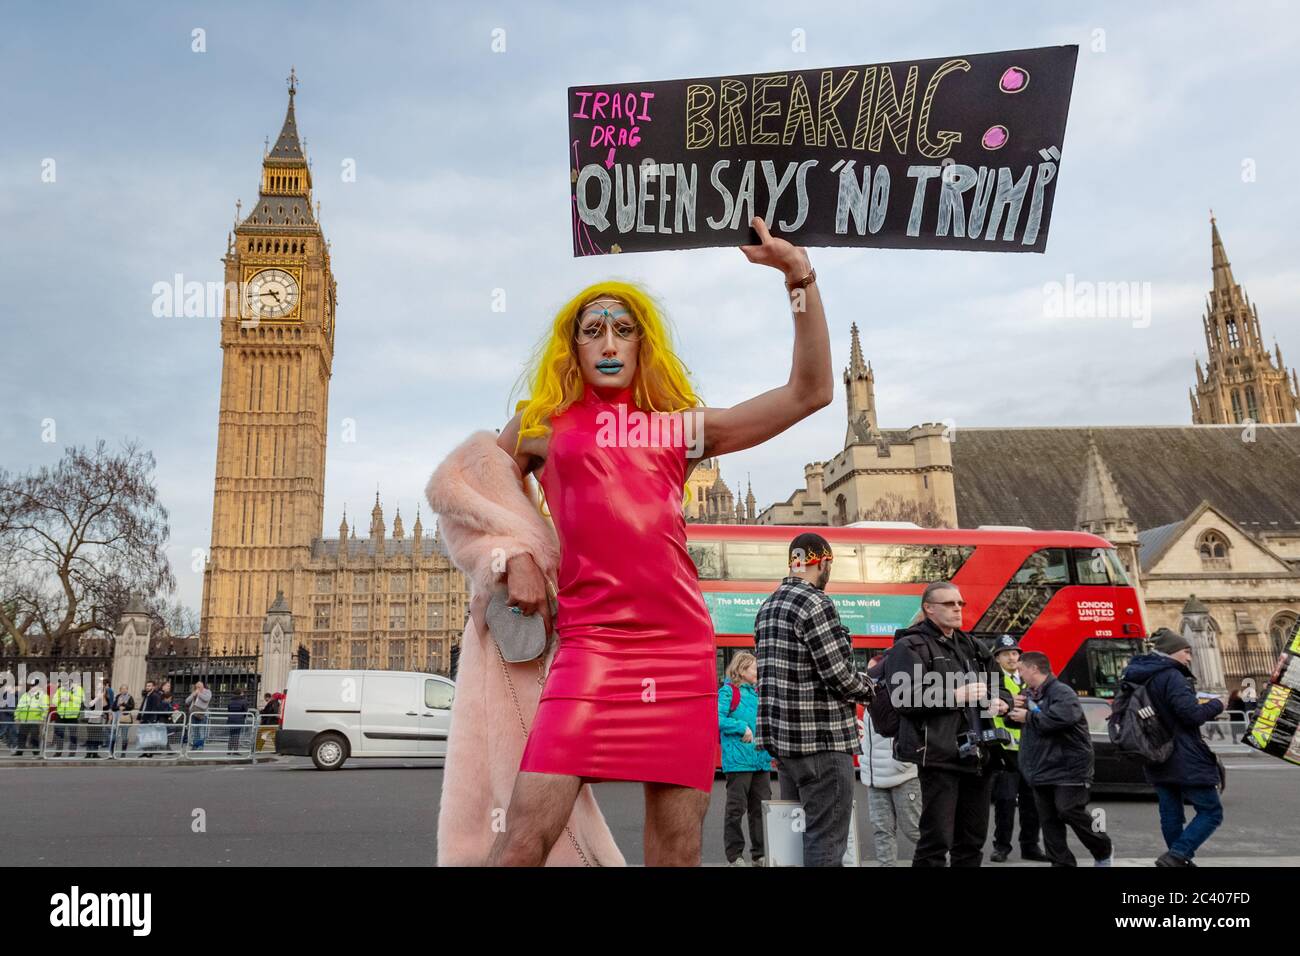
[(486, 517)]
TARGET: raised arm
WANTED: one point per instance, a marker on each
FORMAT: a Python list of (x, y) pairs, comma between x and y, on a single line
[(811, 384)]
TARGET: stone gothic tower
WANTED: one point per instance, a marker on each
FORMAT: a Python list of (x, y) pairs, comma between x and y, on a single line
[(1241, 380), (277, 342), (860, 391)]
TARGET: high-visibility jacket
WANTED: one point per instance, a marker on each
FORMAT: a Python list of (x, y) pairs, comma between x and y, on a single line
[(1012, 684), (69, 700), (32, 707)]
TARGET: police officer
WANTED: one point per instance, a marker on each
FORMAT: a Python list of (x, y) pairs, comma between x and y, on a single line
[(68, 702), (1008, 786), (32, 707)]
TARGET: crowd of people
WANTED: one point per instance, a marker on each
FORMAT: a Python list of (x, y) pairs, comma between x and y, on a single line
[(112, 721), (952, 733)]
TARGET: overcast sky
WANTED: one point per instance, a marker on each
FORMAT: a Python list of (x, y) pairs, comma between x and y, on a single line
[(461, 188)]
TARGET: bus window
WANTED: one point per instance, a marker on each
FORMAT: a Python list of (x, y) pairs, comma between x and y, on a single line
[(1118, 575), (707, 556), (846, 566), (913, 563), (1046, 566), (1098, 664), (1012, 612), (769, 561), (1091, 566), (1099, 566), (757, 560)]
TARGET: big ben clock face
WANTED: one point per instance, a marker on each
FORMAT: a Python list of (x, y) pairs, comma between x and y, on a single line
[(271, 294)]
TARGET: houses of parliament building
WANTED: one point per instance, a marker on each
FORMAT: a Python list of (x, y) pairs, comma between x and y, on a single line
[(378, 601)]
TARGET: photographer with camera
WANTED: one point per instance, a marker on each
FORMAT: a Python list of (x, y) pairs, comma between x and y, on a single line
[(939, 677), (1056, 758)]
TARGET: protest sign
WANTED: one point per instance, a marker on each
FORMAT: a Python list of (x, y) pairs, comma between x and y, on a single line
[(946, 153), (1276, 727)]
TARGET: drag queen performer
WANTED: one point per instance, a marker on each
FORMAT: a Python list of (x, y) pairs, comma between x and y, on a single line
[(628, 691)]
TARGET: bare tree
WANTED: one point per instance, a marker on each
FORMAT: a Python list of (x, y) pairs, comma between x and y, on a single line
[(175, 618), (894, 507), (75, 540)]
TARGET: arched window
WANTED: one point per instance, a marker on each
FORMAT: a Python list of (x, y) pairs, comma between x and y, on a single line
[(1236, 406), (841, 510), (1213, 547), (1233, 340), (1281, 629), (1252, 406)]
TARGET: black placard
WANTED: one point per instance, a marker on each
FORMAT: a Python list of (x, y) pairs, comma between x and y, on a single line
[(947, 153)]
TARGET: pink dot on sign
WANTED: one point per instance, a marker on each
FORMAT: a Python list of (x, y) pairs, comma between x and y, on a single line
[(1013, 80), (995, 137)]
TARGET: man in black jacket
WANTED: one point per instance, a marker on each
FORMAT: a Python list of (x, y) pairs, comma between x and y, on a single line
[(938, 679), (1056, 759), (1191, 774)]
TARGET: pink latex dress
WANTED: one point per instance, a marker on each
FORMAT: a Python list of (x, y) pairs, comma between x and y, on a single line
[(632, 690)]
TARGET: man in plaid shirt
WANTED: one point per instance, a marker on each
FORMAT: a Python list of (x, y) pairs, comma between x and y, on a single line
[(807, 686)]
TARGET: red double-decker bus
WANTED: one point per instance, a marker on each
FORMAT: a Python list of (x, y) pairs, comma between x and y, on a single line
[(1063, 593)]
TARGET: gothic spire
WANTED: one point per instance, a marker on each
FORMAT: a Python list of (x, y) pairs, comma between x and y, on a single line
[(860, 393), (1219, 265), (857, 365), (1100, 505), (287, 144)]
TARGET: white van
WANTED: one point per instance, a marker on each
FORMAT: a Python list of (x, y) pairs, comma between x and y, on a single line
[(333, 715)]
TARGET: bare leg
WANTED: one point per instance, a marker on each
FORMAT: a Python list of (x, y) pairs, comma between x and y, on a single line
[(539, 808), (674, 824)]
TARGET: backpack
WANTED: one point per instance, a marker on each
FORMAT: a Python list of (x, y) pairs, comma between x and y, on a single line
[(735, 699), (884, 719), (880, 709), (1134, 726)]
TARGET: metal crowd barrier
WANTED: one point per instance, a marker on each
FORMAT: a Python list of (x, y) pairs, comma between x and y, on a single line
[(207, 737), (216, 735), (1229, 727), (24, 734)]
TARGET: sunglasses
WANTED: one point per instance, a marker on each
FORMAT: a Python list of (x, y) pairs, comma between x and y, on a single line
[(947, 604)]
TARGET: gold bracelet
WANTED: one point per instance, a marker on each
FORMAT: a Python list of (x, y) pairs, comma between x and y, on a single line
[(803, 283)]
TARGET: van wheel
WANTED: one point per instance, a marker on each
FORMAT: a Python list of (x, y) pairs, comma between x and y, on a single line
[(329, 751)]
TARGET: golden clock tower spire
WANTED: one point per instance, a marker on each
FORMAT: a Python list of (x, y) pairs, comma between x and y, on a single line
[(277, 342)]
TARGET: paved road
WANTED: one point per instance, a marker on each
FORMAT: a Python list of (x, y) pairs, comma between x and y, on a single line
[(367, 814)]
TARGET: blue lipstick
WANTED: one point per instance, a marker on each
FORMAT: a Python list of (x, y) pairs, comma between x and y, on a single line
[(609, 366)]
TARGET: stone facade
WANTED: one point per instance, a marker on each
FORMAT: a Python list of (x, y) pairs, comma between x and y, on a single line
[(381, 603)]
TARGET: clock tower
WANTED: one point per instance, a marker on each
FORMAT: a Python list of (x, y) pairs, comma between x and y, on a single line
[(277, 344)]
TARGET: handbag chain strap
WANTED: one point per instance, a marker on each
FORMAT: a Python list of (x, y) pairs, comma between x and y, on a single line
[(541, 682)]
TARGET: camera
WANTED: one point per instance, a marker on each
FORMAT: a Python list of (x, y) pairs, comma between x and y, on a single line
[(996, 735), (968, 742)]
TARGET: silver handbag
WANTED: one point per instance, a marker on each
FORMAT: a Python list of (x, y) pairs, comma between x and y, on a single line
[(520, 637)]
